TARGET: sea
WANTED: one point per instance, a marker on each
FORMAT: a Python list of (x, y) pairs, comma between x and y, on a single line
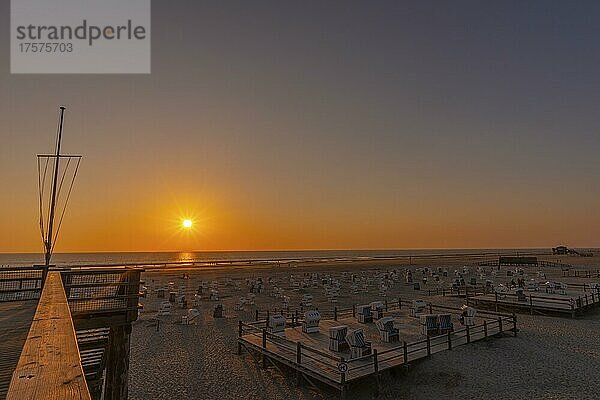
[(106, 258)]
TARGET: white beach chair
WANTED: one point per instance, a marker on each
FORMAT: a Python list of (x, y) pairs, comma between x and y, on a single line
[(311, 322), (417, 307), (467, 316), (359, 347), (165, 309), (364, 314), (377, 308), (387, 331), (276, 325)]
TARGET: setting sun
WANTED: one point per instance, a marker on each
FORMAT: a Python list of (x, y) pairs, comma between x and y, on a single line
[(187, 223)]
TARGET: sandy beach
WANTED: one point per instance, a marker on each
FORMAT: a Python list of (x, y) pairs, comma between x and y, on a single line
[(551, 357)]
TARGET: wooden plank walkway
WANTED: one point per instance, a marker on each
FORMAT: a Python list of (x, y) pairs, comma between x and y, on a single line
[(15, 319), (50, 366)]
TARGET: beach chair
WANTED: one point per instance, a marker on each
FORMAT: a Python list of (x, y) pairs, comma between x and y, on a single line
[(181, 301), (359, 347), (311, 322), (377, 308), (467, 315), (307, 300), (218, 311), (191, 315), (337, 338), (387, 331), (562, 288), (445, 324), (363, 314), (520, 294), (276, 324), (417, 307), (165, 308), (532, 286), (429, 324)]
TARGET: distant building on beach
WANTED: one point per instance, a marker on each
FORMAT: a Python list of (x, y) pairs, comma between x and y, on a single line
[(564, 250)]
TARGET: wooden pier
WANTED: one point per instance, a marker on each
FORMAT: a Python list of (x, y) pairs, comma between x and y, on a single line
[(309, 355), (76, 344)]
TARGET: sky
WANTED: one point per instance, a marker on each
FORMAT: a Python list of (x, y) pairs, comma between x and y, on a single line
[(279, 125)]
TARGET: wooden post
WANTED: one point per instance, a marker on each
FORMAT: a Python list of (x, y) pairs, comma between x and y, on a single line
[(335, 313), (386, 305), (353, 310), (299, 353), (240, 331), (514, 324), (484, 328), (264, 346), (256, 318), (500, 324), (530, 304), (496, 295), (117, 363), (449, 340), (267, 320), (376, 370), (468, 334), (343, 380), (399, 303), (375, 363), (428, 346), (430, 309)]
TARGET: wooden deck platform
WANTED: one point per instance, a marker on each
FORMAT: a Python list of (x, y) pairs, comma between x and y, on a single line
[(309, 354), (570, 304)]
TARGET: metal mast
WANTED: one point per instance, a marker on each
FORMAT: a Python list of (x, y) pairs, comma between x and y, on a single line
[(48, 241), (51, 221)]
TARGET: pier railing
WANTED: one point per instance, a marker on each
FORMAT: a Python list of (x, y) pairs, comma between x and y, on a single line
[(21, 283)]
